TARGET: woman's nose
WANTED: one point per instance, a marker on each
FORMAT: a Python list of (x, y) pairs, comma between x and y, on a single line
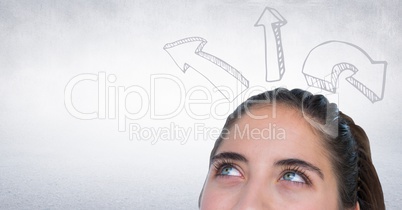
[(253, 196)]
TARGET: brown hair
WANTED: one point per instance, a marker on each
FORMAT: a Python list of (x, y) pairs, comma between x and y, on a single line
[(347, 143)]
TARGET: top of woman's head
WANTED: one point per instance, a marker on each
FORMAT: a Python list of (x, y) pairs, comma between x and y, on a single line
[(346, 143)]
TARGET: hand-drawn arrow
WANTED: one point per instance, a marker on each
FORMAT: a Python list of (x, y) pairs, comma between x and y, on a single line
[(221, 74), (274, 58), (327, 61)]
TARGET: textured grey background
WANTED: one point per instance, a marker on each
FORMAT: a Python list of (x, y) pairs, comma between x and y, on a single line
[(51, 160)]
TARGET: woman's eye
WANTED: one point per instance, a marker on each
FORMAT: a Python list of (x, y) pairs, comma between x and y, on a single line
[(293, 177), (229, 171)]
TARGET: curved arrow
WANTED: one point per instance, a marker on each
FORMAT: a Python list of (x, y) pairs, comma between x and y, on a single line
[(219, 73), (327, 61), (274, 58)]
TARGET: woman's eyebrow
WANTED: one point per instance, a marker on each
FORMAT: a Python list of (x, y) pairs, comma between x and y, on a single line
[(300, 163), (229, 155)]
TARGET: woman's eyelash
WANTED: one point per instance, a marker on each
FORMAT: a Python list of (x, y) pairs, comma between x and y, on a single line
[(221, 163), (298, 170)]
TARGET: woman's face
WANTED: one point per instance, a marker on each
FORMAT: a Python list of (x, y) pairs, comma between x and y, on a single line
[(273, 163)]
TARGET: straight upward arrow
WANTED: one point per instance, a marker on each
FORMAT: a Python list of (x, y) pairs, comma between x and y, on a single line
[(272, 22)]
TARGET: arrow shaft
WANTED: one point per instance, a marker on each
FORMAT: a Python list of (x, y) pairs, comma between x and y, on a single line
[(225, 66), (274, 59)]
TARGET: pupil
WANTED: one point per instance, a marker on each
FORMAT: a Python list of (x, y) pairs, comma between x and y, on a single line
[(290, 175)]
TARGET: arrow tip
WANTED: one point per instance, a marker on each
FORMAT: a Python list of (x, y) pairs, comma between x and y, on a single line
[(269, 16), (182, 50)]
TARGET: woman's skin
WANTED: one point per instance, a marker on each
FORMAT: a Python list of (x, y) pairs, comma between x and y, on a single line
[(258, 170)]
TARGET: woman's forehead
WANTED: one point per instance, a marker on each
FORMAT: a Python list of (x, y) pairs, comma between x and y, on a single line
[(286, 132), (268, 110), (265, 115)]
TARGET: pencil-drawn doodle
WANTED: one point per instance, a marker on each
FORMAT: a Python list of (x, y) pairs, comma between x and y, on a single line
[(188, 53), (327, 61), (274, 58)]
